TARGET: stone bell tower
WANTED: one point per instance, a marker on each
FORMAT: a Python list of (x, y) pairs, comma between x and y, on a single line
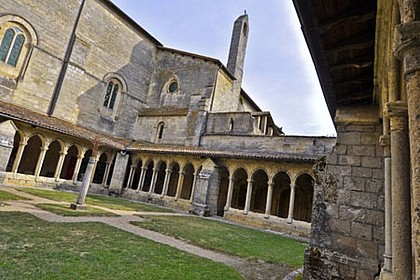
[(237, 50)]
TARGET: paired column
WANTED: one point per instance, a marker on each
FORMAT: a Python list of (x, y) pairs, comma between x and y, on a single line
[(229, 193), (400, 188), (248, 196), (193, 186), (59, 165), (141, 180), (180, 183), (106, 173), (130, 176), (77, 168), (18, 158), (154, 179), (166, 182), (269, 198), (291, 203), (40, 161)]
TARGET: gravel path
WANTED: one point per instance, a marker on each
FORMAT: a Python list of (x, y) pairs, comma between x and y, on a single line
[(250, 269)]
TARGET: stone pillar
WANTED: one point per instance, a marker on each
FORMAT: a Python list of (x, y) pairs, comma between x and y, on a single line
[(77, 169), (180, 183), (407, 48), (7, 135), (248, 196), (59, 166), (193, 187), (269, 198), (18, 158), (85, 185), (154, 179), (291, 203), (94, 168), (230, 192), (106, 174), (166, 181), (40, 161), (130, 177), (401, 201), (141, 180), (118, 175)]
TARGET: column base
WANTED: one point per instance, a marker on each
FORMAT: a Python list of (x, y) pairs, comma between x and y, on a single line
[(75, 206), (289, 221), (386, 275), (200, 210)]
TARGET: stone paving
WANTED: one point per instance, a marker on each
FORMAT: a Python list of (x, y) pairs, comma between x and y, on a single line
[(249, 269)]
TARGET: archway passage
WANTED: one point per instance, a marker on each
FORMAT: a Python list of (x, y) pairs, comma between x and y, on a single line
[(51, 159), (188, 182), (259, 192), (173, 181), (30, 156), (303, 198), (127, 171), (148, 177), (136, 176), (98, 176), (239, 189), (12, 157), (69, 163), (223, 190), (281, 195), (84, 165), (160, 178)]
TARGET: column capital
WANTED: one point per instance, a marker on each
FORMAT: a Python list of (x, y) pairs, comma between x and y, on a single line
[(270, 183), (407, 45), (396, 109), (182, 173), (250, 181), (232, 178), (385, 140)]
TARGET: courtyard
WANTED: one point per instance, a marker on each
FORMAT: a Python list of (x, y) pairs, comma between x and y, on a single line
[(114, 238)]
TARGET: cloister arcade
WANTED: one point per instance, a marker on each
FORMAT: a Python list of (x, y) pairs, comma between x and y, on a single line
[(267, 189)]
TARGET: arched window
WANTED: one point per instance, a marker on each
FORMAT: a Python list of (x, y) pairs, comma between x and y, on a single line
[(160, 128), (172, 85), (11, 45), (231, 124), (111, 94)]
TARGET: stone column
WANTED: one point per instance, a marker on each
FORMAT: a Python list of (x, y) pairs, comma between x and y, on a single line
[(291, 203), (40, 161), (180, 183), (106, 173), (130, 177), (407, 48), (154, 179), (269, 198), (248, 196), (85, 185), (59, 166), (77, 169), (141, 180), (193, 187), (401, 201), (18, 158), (166, 181), (229, 193), (94, 168)]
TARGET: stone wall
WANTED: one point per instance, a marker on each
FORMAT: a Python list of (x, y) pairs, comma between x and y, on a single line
[(348, 220)]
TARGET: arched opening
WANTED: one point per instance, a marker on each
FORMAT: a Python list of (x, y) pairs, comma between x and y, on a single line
[(281, 195), (98, 176), (111, 171), (30, 156), (84, 165), (69, 163), (223, 190), (12, 157), (239, 189), (173, 181), (51, 159), (137, 173), (160, 178), (188, 181), (148, 177), (304, 194), (159, 133), (127, 171), (259, 192)]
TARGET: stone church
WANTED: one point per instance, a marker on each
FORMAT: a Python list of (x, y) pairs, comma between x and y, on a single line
[(82, 82)]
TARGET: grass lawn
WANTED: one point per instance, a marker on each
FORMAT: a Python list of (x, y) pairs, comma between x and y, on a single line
[(64, 210), (98, 200), (229, 239), (35, 249), (4, 196)]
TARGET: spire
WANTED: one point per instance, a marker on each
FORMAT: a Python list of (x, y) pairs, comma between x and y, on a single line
[(237, 50)]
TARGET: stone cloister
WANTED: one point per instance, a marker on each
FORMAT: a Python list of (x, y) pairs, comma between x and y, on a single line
[(275, 195)]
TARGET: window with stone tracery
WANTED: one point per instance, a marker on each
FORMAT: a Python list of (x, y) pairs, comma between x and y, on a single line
[(111, 94), (11, 46)]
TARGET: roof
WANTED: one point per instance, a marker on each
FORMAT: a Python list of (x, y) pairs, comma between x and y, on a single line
[(341, 38), (24, 115)]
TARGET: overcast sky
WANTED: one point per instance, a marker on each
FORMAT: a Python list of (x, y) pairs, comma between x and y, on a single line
[(278, 74)]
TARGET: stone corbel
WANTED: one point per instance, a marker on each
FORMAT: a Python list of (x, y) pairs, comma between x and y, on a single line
[(407, 45)]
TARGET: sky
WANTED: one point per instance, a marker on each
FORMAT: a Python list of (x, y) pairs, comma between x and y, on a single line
[(278, 73)]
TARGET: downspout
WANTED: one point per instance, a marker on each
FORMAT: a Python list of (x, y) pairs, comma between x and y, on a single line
[(66, 60)]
